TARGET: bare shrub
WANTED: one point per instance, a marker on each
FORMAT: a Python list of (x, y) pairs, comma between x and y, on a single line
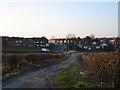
[(17, 61), (104, 66)]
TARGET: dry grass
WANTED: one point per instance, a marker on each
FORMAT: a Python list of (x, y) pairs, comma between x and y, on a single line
[(104, 67)]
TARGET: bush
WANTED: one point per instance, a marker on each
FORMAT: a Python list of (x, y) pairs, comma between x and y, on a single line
[(10, 62), (18, 61), (104, 66)]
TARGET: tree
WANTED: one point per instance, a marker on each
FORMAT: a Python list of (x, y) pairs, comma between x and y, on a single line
[(52, 37), (92, 36), (78, 38), (88, 37), (70, 35)]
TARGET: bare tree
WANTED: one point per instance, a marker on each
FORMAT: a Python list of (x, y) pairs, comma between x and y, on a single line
[(92, 36), (52, 37), (70, 35)]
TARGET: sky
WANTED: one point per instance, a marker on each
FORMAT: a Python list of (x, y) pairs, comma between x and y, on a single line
[(37, 19)]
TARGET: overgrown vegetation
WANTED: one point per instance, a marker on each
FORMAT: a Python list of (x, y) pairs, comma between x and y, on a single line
[(93, 70), (104, 67), (14, 64), (74, 77)]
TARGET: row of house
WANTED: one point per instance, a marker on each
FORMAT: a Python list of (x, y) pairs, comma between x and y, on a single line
[(86, 43), (24, 42), (69, 43)]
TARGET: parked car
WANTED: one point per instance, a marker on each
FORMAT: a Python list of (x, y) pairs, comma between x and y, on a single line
[(45, 50), (72, 51)]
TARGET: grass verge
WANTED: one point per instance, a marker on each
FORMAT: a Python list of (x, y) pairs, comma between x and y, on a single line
[(73, 76), (20, 49)]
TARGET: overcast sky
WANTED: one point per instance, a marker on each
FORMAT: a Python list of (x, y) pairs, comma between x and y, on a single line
[(36, 19)]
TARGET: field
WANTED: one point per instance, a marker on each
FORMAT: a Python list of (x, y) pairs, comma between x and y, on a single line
[(20, 50), (13, 64)]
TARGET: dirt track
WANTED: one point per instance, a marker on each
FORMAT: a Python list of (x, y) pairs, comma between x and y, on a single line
[(43, 78)]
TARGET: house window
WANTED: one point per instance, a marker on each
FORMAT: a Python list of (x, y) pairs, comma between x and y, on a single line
[(47, 45), (20, 41), (97, 47), (42, 45), (37, 45), (80, 46), (67, 42), (64, 41), (16, 41), (29, 45), (17, 44), (85, 47), (37, 41)]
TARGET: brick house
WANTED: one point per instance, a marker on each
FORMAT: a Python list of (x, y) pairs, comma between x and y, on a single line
[(12, 42), (69, 43), (89, 44), (40, 42), (24, 42)]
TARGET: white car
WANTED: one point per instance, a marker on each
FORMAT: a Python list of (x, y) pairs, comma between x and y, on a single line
[(45, 50), (72, 51)]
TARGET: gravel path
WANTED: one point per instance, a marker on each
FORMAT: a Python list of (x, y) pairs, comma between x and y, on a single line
[(43, 78)]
